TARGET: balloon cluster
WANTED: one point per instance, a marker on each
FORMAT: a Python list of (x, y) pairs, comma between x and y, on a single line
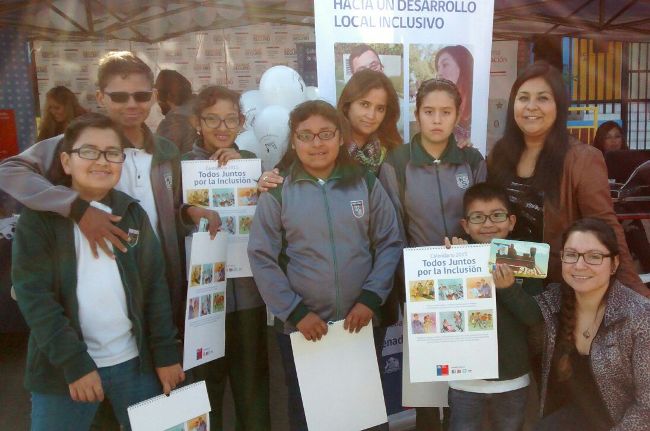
[(266, 129)]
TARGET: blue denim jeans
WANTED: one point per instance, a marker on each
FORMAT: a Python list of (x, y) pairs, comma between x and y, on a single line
[(123, 385), (506, 411)]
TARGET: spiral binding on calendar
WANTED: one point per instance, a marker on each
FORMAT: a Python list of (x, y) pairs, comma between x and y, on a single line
[(163, 396)]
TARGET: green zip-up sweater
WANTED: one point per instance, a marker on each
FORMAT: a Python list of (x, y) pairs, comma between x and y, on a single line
[(44, 274)]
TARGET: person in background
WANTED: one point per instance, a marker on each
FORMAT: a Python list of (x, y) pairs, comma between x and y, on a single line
[(325, 244), (175, 100), (456, 64), (218, 117), (61, 107), (100, 327), (597, 340), (552, 180), (610, 137)]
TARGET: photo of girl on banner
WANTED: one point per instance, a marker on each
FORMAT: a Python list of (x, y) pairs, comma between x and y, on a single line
[(452, 62)]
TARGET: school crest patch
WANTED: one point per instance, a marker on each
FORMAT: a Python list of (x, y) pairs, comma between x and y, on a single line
[(358, 209), (462, 180), (168, 181), (134, 236)]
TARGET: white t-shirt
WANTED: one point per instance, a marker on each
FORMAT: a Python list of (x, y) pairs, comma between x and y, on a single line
[(103, 313), (136, 182)]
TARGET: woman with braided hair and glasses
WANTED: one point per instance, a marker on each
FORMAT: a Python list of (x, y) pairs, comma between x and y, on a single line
[(597, 342)]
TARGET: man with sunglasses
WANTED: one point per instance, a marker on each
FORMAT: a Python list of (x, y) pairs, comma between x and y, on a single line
[(151, 173)]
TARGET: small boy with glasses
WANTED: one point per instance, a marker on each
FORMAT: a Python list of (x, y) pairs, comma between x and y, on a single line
[(100, 326), (502, 400)]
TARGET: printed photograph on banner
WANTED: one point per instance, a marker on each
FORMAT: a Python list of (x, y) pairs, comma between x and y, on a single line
[(206, 274), (481, 320), (479, 287), (218, 302), (452, 62), (423, 323), (192, 308), (206, 304), (450, 289), (452, 321), (219, 271), (527, 259), (247, 196), (245, 223), (381, 57), (228, 224), (198, 424), (422, 290)]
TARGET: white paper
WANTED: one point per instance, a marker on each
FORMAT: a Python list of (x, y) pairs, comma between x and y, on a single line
[(205, 313), (231, 190), (451, 313), (423, 394), (339, 380), (185, 409)]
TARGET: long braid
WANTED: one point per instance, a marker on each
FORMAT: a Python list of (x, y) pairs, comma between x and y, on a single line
[(566, 339)]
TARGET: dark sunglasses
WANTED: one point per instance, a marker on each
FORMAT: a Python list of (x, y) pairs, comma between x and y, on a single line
[(123, 96)]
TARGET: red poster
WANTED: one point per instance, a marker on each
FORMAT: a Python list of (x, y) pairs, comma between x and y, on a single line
[(8, 135)]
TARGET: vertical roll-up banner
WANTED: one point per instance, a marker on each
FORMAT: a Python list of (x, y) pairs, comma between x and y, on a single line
[(410, 41)]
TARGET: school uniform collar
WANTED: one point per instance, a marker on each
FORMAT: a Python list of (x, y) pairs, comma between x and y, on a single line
[(419, 156), (298, 173)]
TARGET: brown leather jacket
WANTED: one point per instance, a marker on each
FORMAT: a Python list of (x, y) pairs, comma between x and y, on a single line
[(584, 192)]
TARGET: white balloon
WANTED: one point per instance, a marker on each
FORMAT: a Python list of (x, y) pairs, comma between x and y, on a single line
[(251, 103), (281, 85), (247, 140), (312, 93), (272, 132), (204, 16)]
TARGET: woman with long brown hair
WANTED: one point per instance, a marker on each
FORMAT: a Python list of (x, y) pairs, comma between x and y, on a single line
[(61, 107), (597, 341), (456, 64)]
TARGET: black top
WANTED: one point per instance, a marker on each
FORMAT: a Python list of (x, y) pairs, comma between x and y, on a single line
[(582, 393), (528, 205)]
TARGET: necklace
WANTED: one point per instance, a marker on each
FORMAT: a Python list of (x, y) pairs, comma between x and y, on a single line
[(587, 333)]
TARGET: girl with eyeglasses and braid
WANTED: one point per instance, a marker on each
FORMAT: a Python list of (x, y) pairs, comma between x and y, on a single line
[(325, 244), (597, 340)]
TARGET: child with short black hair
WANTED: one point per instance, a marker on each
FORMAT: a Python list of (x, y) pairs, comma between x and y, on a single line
[(99, 326), (503, 400)]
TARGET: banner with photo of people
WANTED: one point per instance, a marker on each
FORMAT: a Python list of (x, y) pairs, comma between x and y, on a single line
[(450, 301), (410, 41), (231, 190)]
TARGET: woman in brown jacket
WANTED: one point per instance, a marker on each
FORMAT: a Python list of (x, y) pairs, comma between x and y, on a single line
[(597, 338), (551, 179)]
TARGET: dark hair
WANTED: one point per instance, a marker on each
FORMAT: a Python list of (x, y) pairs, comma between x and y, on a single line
[(121, 63), (437, 84), (567, 322), (211, 95), (321, 108), (485, 192), (601, 134), (173, 87), (87, 121), (357, 51), (359, 86), (465, 62), (72, 132), (63, 96), (504, 157)]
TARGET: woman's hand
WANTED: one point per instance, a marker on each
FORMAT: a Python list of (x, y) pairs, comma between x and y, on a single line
[(312, 327), (223, 155), (87, 389), (214, 221), (269, 180), (357, 318), (503, 276), (99, 228), (454, 241), (170, 377)]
